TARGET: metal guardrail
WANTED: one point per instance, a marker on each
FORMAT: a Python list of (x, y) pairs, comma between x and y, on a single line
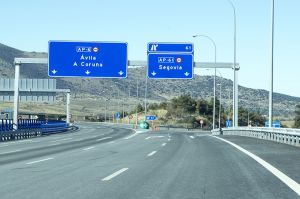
[(28, 128), (281, 135)]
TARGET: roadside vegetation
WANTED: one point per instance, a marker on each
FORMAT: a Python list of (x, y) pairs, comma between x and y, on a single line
[(185, 111), (297, 117)]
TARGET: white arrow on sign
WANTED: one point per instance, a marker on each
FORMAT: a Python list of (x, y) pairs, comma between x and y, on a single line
[(121, 73), (186, 74), (87, 72), (54, 71), (153, 73)]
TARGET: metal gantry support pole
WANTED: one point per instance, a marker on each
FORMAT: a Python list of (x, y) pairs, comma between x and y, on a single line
[(118, 105), (68, 108), (271, 69), (215, 50), (146, 90), (16, 96), (17, 63)]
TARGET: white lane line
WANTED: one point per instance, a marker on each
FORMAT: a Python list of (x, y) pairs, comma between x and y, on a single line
[(37, 161), (114, 174), (131, 136), (62, 140), (281, 176), (7, 152), (164, 144), (88, 148), (158, 136), (169, 139), (4, 145), (202, 135), (152, 153), (192, 137), (111, 142), (103, 138)]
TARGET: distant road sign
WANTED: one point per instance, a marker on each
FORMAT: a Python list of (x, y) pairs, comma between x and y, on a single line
[(150, 117), (228, 123), (275, 124), (118, 115), (87, 59), (170, 60)]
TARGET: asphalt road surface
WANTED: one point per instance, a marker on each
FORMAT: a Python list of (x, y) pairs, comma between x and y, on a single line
[(117, 163)]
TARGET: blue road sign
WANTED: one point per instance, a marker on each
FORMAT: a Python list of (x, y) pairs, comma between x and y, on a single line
[(170, 60), (118, 115), (228, 123), (150, 117), (170, 47), (275, 124), (87, 59)]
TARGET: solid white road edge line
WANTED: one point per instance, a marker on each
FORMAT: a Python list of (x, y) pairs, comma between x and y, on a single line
[(114, 174), (152, 153), (37, 161), (281, 176)]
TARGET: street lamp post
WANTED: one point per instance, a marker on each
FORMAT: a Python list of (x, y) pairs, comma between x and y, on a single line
[(220, 107), (235, 109), (271, 71), (124, 90), (137, 97), (215, 48)]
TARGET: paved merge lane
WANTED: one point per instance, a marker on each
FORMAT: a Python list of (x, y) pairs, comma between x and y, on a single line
[(162, 164)]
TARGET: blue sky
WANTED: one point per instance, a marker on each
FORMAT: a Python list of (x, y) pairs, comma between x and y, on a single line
[(29, 24)]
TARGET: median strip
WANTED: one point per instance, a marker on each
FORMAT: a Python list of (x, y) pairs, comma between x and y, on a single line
[(37, 161), (114, 174)]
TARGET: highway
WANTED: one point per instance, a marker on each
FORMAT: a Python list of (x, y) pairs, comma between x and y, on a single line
[(116, 163)]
